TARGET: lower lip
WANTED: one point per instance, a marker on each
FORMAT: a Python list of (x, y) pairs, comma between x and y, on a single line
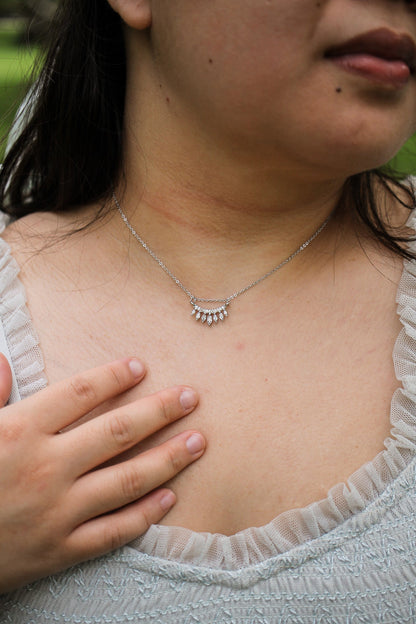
[(386, 73)]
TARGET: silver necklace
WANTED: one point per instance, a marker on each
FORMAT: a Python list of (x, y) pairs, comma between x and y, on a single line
[(211, 315)]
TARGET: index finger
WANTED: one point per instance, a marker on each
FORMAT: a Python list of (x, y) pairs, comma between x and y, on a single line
[(63, 403)]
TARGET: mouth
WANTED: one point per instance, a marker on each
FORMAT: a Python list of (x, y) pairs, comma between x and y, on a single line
[(382, 56)]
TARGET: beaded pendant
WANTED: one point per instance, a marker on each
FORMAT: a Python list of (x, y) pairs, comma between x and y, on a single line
[(207, 315)]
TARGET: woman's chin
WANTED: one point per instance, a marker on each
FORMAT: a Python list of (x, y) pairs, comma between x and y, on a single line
[(354, 157)]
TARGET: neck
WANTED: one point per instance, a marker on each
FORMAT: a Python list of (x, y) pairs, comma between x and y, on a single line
[(203, 205), (205, 239)]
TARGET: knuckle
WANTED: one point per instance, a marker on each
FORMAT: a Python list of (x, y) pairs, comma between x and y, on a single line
[(131, 483), (164, 409), (82, 390), (173, 460), (50, 540), (113, 537), (121, 431), (116, 377), (147, 519)]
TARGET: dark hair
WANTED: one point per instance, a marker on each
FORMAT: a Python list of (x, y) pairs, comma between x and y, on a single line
[(69, 150)]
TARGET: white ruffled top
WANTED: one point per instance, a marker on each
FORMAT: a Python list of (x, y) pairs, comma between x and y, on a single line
[(18, 340), (288, 530)]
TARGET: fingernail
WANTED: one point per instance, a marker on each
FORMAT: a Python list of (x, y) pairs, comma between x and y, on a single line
[(188, 399), (195, 443), (136, 368), (167, 501)]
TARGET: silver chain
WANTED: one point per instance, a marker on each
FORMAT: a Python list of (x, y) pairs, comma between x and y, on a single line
[(226, 300)]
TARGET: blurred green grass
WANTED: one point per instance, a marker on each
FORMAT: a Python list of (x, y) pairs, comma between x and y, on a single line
[(404, 163), (16, 62)]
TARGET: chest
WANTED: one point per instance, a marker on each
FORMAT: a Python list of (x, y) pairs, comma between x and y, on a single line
[(291, 402)]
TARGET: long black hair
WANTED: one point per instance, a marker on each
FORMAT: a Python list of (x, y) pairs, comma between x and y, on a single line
[(69, 150)]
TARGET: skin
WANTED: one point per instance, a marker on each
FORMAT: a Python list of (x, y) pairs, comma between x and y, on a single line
[(273, 112), (237, 144), (57, 512)]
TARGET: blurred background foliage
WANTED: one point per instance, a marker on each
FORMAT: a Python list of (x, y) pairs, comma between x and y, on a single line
[(24, 28)]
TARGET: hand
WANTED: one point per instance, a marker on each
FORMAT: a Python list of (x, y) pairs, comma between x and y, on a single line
[(57, 508)]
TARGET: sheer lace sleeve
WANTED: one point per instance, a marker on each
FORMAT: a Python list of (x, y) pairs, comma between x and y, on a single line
[(18, 340)]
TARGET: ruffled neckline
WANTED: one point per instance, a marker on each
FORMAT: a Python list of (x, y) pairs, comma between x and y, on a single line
[(22, 342), (295, 527), (292, 528)]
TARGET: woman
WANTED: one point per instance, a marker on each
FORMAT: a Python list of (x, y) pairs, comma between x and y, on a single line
[(260, 266)]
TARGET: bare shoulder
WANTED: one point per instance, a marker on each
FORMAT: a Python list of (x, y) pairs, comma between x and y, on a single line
[(61, 262), (69, 252), (53, 242), (40, 233), (29, 235), (49, 249)]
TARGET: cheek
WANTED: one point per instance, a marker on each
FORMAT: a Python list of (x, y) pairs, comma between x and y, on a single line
[(256, 80), (224, 44), (230, 80)]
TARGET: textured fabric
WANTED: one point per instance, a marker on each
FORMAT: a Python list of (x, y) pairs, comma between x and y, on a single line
[(18, 340), (363, 572), (348, 558)]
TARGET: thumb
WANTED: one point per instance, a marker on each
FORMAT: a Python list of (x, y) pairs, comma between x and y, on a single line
[(5, 380)]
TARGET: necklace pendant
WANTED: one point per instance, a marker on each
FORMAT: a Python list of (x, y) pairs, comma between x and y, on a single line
[(214, 315), (209, 316)]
